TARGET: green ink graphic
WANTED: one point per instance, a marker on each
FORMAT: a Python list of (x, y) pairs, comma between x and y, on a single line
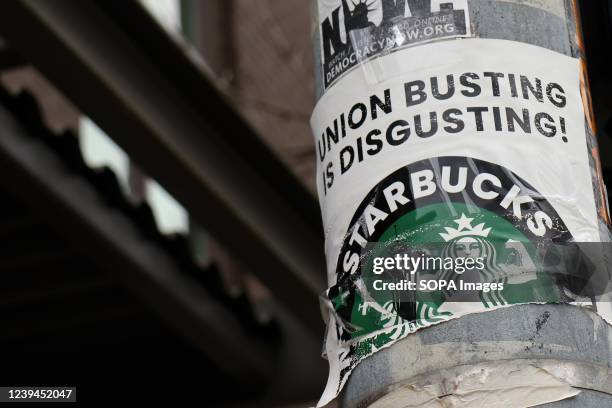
[(504, 222)]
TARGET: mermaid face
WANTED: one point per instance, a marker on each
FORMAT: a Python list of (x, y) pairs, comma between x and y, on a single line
[(468, 247)]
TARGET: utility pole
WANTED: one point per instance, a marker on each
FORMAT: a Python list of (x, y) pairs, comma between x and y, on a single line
[(465, 125)]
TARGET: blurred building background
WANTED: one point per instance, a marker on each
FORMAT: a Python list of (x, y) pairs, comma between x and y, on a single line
[(68, 319), (126, 279)]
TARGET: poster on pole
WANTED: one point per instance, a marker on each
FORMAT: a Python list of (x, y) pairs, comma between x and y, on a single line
[(439, 153), (353, 32)]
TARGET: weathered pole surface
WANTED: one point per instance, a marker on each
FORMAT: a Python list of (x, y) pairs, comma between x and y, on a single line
[(548, 354)]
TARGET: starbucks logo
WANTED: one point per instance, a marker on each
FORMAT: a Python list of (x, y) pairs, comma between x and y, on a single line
[(444, 207), (455, 207)]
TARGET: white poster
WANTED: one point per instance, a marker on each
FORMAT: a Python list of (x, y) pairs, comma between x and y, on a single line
[(472, 144)]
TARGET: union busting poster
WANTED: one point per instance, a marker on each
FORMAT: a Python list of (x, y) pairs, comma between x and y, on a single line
[(454, 148)]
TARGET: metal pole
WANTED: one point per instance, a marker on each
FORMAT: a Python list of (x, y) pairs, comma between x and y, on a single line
[(430, 367)]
